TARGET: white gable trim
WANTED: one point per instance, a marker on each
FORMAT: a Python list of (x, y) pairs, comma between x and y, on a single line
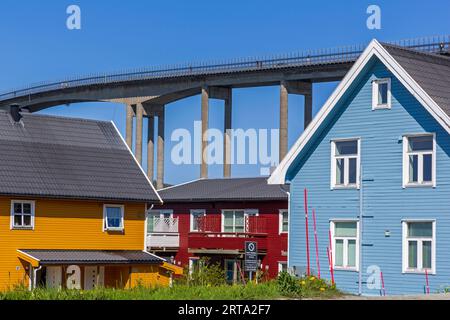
[(373, 49)]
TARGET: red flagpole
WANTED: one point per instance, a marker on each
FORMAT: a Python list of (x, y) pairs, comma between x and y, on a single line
[(331, 257), (382, 283), (428, 285), (317, 244), (308, 271)]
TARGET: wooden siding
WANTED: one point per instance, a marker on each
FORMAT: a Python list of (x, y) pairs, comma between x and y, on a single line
[(62, 224), (386, 203)]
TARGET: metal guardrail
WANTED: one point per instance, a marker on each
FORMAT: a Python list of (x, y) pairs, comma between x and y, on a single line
[(345, 54)]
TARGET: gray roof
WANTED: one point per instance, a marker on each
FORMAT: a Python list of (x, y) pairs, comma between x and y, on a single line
[(431, 72), (57, 157), (227, 189), (92, 257)]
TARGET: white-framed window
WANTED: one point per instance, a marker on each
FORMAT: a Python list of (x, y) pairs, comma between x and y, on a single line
[(282, 266), (234, 220), (381, 94), (345, 244), (113, 217), (284, 221), (419, 245), (195, 215), (419, 160), (345, 163), (22, 214)]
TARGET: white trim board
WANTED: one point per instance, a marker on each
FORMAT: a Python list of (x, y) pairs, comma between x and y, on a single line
[(373, 49)]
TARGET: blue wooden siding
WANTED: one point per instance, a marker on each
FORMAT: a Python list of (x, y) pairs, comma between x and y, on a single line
[(386, 203)]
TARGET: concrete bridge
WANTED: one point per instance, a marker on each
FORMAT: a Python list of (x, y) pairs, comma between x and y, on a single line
[(146, 92)]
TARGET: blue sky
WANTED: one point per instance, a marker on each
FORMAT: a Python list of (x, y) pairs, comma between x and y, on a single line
[(116, 35)]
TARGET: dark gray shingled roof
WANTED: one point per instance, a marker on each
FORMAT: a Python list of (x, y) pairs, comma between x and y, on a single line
[(227, 189), (431, 72), (57, 157), (92, 257)]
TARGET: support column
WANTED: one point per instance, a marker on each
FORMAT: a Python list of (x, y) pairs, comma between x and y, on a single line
[(160, 154), (283, 143), (205, 116), (227, 136), (129, 125), (308, 109), (150, 147), (139, 120)]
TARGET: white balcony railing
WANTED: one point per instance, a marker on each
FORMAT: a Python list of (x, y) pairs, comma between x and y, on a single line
[(163, 225)]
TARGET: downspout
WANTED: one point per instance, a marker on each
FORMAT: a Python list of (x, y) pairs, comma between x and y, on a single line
[(360, 233), (289, 223), (33, 286)]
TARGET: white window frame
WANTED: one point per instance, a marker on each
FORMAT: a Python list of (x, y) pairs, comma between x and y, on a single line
[(375, 85), (105, 222), (160, 213), (280, 220), (192, 212), (419, 269), (346, 185), (407, 153), (345, 246), (32, 204), (247, 212)]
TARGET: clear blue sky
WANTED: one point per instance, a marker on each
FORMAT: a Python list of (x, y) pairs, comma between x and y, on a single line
[(115, 35)]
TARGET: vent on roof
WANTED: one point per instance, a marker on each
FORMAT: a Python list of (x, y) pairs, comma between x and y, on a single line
[(14, 110)]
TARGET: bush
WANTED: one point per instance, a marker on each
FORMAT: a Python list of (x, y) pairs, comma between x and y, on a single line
[(305, 287), (205, 274)]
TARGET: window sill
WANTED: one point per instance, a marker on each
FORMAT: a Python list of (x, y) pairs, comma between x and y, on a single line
[(22, 228), (114, 230), (381, 107), (349, 187), (345, 269), (422, 272), (421, 185)]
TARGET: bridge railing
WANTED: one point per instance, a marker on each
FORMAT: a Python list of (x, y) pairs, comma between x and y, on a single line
[(313, 57)]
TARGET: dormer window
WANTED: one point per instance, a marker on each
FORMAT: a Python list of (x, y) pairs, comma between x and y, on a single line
[(381, 94)]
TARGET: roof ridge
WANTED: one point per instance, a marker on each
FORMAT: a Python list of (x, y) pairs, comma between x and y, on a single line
[(40, 115)]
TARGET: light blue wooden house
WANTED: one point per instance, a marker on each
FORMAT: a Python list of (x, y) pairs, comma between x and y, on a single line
[(376, 164)]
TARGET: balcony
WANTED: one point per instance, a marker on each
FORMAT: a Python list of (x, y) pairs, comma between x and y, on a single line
[(212, 235), (162, 233)]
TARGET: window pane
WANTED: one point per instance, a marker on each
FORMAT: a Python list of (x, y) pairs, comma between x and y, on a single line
[(228, 221), (345, 229), (420, 229), (346, 147), (239, 222), (18, 220), (285, 222), (114, 217), (427, 167), (426, 254), (412, 254), (413, 167), (26, 208), (339, 254), (340, 171), (352, 170), (351, 253), (17, 208), (27, 220), (382, 92), (424, 143)]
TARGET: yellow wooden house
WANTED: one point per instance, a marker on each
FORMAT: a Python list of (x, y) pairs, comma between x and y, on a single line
[(73, 206)]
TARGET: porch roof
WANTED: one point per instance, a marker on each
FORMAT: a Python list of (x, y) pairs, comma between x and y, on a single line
[(63, 257)]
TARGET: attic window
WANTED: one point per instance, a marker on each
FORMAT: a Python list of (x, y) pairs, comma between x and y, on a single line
[(381, 94)]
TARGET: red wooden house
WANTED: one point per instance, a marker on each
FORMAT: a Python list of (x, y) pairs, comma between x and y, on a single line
[(215, 217)]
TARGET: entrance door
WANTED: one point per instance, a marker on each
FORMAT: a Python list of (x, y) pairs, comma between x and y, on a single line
[(93, 277), (53, 277)]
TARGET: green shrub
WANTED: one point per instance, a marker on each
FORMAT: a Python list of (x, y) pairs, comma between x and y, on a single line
[(305, 287)]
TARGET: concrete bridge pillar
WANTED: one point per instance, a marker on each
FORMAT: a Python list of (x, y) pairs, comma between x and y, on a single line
[(129, 125), (293, 87), (139, 126), (205, 118), (150, 146), (227, 136), (160, 152)]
